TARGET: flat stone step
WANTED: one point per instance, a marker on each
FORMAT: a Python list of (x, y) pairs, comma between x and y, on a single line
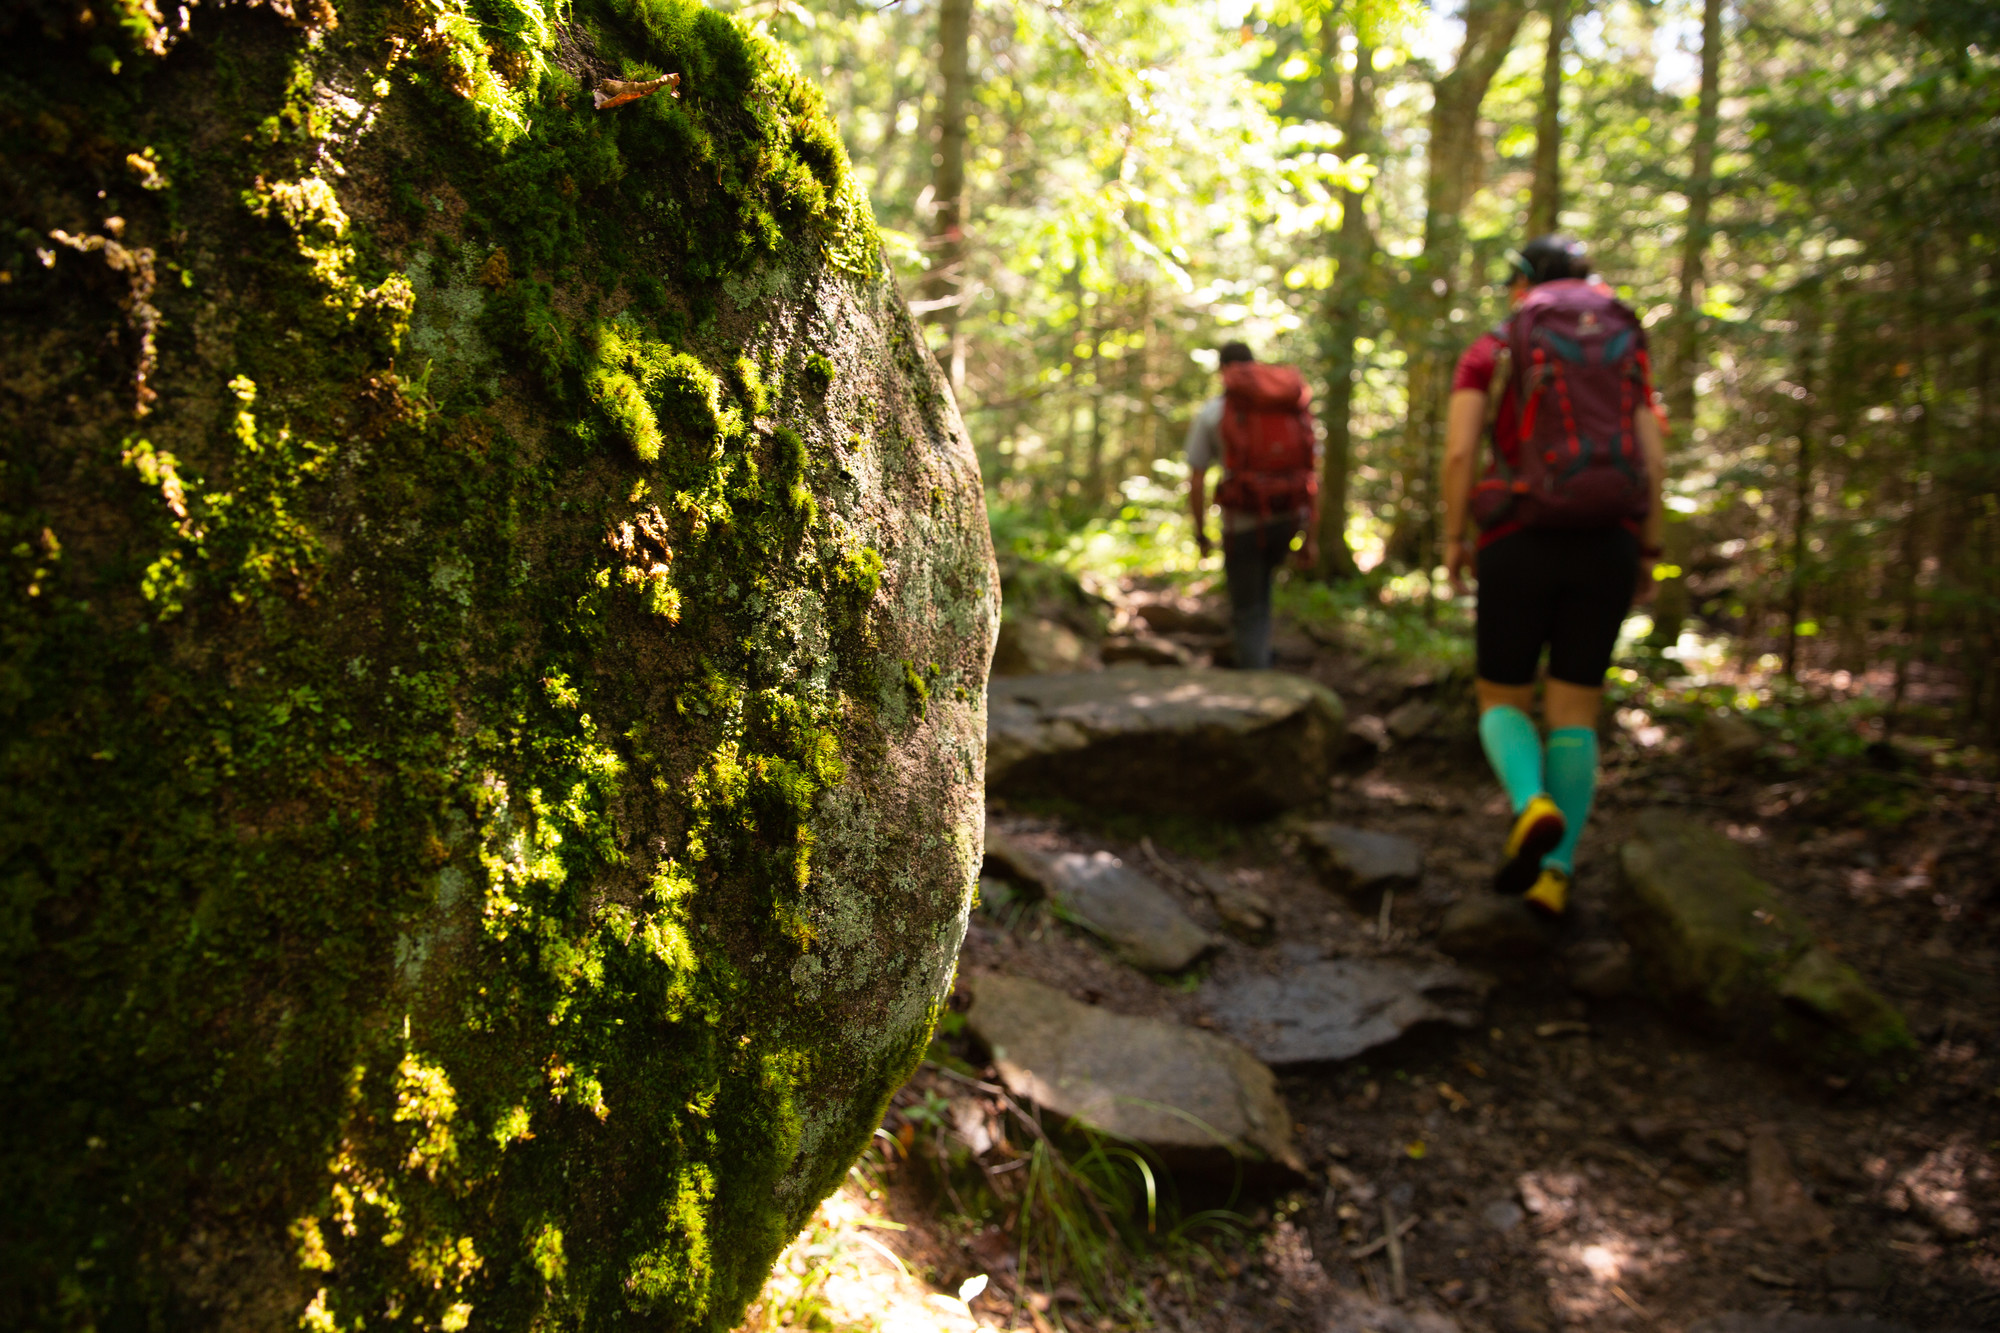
[(1143, 923), (1195, 1099), (1175, 740), (1139, 920), (1359, 861), (1334, 1009)]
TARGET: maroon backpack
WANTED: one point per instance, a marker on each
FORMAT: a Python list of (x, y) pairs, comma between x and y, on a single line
[(1576, 358), (1267, 440)]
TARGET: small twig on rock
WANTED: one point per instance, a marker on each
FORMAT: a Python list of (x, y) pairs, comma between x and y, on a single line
[(1159, 863), (1382, 924)]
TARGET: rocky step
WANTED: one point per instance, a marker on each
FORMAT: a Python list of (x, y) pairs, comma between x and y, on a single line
[(1171, 740), (1361, 862), (1318, 1010), (1141, 921), (1195, 1100), (1722, 943)]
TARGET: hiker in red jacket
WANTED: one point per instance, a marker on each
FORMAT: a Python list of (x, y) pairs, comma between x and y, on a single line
[(1260, 429), (1569, 520)]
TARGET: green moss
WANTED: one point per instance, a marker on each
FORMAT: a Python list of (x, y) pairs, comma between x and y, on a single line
[(750, 384), (819, 372), (412, 749)]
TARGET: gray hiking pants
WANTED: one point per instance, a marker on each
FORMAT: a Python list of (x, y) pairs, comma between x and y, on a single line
[(1249, 559)]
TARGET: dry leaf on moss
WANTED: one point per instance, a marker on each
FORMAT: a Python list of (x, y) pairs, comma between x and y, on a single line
[(617, 92)]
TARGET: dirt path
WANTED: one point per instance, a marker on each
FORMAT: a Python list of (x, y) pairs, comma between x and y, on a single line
[(1577, 1162)]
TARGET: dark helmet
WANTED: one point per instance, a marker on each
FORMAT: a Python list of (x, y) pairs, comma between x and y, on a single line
[(1547, 258), (1233, 352)]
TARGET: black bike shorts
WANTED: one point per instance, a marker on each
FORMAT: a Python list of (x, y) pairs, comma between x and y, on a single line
[(1565, 588)]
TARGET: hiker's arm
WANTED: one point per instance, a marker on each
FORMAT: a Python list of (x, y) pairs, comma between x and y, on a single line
[(1465, 418), (1198, 505), (1201, 451)]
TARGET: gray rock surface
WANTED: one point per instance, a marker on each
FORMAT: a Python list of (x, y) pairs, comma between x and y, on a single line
[(1334, 1009), (1244, 908), (1722, 942), (1486, 925), (1190, 1096), (1167, 618), (1181, 740), (1147, 649), (1360, 861), (1141, 921), (1031, 645), (1017, 860)]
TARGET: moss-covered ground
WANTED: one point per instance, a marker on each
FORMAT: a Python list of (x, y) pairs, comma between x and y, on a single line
[(472, 846)]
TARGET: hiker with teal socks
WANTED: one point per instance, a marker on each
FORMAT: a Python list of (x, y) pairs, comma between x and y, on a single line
[(1569, 520)]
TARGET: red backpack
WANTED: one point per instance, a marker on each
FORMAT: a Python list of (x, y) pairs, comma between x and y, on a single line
[(1576, 358), (1267, 440)]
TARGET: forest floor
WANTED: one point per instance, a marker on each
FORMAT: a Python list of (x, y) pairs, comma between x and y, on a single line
[(1569, 1163)]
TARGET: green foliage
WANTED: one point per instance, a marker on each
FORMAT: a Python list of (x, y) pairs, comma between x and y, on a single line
[(1088, 1210), (1146, 182)]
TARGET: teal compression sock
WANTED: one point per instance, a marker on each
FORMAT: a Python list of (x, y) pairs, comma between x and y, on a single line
[(1572, 782), (1514, 748)]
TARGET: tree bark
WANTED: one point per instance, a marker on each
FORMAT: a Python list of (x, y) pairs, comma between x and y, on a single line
[(1802, 476), (1545, 197), (1910, 546), (1353, 249), (1490, 28), (945, 279), (1671, 601), (1694, 241)]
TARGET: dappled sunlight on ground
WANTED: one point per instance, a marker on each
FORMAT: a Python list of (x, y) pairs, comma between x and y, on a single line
[(840, 1276)]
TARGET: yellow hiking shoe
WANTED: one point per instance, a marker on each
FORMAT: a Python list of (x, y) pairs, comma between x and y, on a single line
[(1537, 830), (1550, 896)]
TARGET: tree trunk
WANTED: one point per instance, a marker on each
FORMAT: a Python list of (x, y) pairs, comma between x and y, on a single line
[(1353, 249), (1545, 198), (1983, 551), (1694, 240), (945, 279), (1490, 27), (1685, 366), (1910, 546), (1802, 476)]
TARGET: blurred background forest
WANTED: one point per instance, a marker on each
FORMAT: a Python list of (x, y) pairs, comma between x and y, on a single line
[(1801, 198)]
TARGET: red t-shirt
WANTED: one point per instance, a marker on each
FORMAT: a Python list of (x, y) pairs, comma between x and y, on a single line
[(1475, 371)]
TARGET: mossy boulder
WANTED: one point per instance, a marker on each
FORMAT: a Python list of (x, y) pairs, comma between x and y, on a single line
[(1728, 947), (492, 665)]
